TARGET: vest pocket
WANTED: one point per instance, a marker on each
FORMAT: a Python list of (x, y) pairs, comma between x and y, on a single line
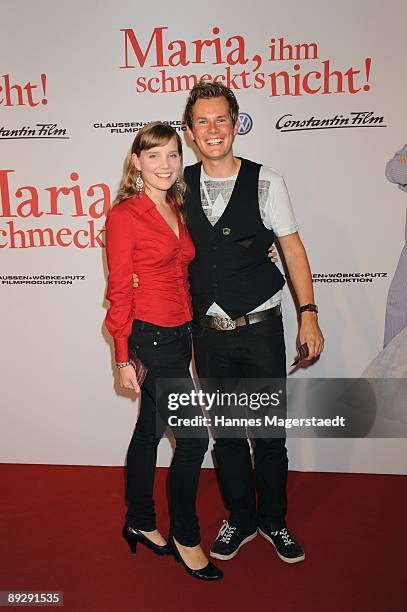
[(246, 242)]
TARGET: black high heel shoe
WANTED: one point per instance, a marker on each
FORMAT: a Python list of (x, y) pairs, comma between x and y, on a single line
[(133, 536), (209, 572)]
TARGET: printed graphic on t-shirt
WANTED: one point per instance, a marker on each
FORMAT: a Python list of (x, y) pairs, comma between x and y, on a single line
[(219, 193), (275, 210)]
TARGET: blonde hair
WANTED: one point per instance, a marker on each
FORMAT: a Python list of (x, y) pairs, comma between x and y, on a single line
[(155, 134)]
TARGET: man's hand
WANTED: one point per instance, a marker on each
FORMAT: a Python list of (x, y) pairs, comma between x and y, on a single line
[(272, 254), (310, 334), (300, 276)]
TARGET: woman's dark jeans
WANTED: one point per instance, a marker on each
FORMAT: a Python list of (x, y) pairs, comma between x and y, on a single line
[(166, 351)]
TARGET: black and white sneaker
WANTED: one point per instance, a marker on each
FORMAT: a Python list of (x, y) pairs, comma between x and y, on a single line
[(285, 544), (229, 541)]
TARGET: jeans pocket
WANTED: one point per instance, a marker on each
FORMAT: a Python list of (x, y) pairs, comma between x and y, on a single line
[(197, 331), (269, 327), (142, 339)]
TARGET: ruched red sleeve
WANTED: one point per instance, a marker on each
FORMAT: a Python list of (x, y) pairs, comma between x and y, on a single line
[(120, 241)]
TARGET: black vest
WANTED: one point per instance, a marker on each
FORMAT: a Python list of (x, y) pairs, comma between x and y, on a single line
[(231, 266)]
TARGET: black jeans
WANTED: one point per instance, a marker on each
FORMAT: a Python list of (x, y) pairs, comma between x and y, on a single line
[(166, 351), (252, 351)]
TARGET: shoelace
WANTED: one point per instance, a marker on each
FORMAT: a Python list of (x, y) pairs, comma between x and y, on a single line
[(285, 535), (226, 531)]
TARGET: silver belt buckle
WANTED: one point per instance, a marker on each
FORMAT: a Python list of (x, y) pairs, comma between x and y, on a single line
[(223, 323)]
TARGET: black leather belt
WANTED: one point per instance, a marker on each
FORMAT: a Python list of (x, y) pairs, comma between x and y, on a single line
[(224, 323)]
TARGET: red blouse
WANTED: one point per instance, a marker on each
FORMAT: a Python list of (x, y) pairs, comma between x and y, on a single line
[(139, 240)]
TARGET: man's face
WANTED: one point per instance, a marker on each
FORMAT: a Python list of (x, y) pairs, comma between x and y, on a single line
[(212, 128)]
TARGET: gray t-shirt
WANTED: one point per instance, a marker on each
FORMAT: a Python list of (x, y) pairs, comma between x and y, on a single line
[(275, 210)]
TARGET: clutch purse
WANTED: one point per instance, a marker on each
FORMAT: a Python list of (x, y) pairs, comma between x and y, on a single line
[(139, 367), (303, 352)]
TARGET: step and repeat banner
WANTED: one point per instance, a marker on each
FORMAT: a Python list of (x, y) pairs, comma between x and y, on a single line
[(322, 95)]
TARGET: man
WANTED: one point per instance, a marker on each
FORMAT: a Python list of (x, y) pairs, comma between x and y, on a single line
[(235, 209)]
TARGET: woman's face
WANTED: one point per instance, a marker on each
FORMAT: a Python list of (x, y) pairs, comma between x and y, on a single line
[(160, 167)]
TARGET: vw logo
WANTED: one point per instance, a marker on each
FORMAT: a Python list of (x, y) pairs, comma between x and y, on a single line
[(245, 124)]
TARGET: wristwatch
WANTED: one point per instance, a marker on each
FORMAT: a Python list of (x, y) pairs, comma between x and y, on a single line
[(309, 308)]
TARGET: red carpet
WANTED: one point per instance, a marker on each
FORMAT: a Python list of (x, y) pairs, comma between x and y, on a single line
[(60, 530)]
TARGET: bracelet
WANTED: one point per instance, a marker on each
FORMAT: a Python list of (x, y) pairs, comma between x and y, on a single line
[(309, 308), (123, 364)]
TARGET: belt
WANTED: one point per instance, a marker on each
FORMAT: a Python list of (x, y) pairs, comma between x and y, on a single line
[(224, 323)]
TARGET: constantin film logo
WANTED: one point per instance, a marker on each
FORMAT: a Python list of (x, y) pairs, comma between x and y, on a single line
[(40, 130), (362, 119)]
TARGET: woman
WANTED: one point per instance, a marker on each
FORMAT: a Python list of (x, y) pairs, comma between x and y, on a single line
[(146, 231)]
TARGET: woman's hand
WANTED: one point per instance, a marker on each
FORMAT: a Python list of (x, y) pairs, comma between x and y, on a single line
[(128, 379)]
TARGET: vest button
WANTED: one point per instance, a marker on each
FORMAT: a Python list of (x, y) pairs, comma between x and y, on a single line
[(216, 284), (213, 265)]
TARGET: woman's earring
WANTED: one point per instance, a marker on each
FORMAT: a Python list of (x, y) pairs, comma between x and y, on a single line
[(177, 184), (139, 183)]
